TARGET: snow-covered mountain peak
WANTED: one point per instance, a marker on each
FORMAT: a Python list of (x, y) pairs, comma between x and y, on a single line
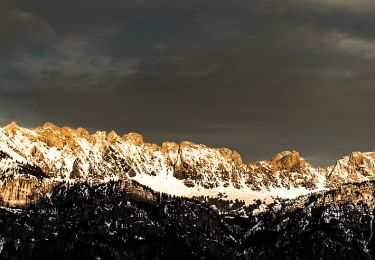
[(185, 168), (356, 167)]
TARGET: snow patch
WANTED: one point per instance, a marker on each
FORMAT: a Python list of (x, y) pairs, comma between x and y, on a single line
[(164, 182), (9, 151), (2, 242)]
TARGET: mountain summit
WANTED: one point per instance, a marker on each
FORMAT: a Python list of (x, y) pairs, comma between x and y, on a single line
[(36, 160)]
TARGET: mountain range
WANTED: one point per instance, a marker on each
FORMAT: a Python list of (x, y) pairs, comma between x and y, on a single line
[(205, 202)]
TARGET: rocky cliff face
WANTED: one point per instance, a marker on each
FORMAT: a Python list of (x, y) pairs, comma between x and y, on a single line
[(356, 167), (64, 154)]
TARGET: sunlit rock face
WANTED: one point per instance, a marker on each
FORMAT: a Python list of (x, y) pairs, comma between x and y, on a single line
[(355, 167), (65, 154), (18, 192), (186, 169), (49, 155)]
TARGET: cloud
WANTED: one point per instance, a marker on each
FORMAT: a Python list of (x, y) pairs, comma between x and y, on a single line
[(352, 45), (19, 28), (71, 64)]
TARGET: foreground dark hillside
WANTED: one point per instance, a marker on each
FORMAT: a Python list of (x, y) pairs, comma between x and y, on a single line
[(112, 221), (336, 224), (103, 221)]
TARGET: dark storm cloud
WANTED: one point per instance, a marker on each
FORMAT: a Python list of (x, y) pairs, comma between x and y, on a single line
[(256, 76), (20, 28)]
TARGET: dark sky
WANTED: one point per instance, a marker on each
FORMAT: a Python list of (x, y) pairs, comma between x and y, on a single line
[(257, 76)]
